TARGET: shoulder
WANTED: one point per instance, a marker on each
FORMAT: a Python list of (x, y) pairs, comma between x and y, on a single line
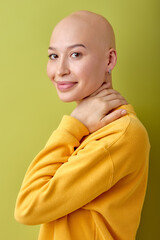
[(127, 143), (126, 134), (128, 129)]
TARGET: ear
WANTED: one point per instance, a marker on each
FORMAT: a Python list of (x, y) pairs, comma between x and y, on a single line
[(111, 59)]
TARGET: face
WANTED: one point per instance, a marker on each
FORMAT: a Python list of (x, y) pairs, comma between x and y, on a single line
[(77, 61)]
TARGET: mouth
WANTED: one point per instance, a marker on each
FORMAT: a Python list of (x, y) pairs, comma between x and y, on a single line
[(65, 85)]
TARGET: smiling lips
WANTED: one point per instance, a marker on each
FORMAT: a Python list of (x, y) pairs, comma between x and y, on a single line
[(65, 85)]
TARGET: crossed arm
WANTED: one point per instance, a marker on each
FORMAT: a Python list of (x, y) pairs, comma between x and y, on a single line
[(57, 180)]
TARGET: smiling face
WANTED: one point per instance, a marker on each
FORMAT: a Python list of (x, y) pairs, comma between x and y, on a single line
[(77, 60)]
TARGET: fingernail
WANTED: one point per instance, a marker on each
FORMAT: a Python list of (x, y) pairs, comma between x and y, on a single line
[(123, 112)]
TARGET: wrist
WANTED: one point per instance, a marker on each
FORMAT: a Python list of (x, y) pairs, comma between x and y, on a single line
[(73, 126), (76, 116)]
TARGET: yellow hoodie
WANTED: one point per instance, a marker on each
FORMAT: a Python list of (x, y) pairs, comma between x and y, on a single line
[(85, 186)]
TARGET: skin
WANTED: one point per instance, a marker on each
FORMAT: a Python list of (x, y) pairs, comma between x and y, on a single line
[(81, 53)]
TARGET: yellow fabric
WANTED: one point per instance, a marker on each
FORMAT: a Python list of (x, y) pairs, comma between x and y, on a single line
[(85, 186)]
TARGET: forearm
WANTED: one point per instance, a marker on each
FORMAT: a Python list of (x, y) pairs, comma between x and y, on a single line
[(41, 171)]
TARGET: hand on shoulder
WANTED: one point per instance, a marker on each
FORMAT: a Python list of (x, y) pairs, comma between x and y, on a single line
[(94, 111)]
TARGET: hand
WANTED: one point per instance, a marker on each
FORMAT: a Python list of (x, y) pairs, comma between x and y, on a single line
[(94, 111)]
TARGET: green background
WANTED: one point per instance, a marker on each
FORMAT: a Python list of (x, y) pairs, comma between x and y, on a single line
[(31, 110)]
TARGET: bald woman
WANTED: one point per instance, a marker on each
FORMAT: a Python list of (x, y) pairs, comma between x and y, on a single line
[(89, 180)]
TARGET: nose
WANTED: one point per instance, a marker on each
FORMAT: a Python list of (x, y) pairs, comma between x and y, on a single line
[(62, 67)]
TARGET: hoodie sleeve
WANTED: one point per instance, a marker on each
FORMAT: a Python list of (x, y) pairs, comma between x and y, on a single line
[(57, 182)]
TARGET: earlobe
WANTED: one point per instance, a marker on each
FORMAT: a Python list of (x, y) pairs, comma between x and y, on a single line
[(109, 71), (112, 60)]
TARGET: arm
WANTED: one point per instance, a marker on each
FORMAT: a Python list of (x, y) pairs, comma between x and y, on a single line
[(52, 184), (39, 175), (51, 190), (57, 184)]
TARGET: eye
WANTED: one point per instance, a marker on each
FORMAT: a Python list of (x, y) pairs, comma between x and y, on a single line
[(76, 54), (53, 56)]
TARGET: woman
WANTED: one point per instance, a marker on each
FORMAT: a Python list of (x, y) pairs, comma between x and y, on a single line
[(89, 180)]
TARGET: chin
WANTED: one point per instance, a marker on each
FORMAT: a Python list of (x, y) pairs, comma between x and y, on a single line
[(70, 98), (67, 99)]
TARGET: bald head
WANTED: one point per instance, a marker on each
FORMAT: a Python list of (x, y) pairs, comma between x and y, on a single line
[(99, 25), (82, 50), (91, 25)]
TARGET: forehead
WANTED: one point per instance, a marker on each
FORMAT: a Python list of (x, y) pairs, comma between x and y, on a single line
[(73, 30)]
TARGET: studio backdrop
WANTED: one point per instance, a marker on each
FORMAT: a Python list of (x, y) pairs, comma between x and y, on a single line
[(31, 110)]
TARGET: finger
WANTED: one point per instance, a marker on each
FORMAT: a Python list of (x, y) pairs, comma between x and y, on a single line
[(113, 96), (111, 105), (105, 92), (113, 116)]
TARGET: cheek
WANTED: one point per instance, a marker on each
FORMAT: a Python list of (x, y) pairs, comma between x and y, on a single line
[(94, 71), (83, 70)]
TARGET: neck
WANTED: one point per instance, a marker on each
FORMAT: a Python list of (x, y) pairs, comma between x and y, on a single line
[(108, 79)]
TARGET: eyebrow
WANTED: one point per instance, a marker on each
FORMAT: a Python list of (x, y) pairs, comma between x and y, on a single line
[(72, 46)]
